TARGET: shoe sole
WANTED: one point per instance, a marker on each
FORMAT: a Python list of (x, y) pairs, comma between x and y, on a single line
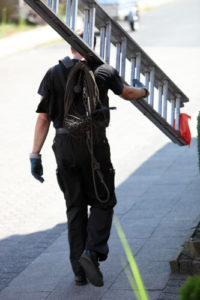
[(91, 273)]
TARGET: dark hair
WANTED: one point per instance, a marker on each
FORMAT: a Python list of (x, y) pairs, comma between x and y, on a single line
[(79, 32)]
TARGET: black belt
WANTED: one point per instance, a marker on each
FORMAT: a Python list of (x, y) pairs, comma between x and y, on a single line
[(62, 131)]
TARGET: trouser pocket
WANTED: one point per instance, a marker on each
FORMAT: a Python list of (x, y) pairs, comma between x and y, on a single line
[(60, 182)]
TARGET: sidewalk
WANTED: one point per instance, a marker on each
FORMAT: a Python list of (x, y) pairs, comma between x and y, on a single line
[(27, 40), (158, 203), (156, 208)]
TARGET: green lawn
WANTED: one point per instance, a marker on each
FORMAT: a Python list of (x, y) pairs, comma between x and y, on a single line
[(9, 29)]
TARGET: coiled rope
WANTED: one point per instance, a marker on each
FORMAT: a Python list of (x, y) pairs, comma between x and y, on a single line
[(81, 80)]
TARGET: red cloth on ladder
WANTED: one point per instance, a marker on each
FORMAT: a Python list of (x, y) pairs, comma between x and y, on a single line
[(184, 128)]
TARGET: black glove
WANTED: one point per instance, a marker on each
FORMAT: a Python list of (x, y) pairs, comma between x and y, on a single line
[(36, 167), (138, 83)]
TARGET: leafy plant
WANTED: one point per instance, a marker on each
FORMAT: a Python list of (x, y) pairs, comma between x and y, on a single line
[(4, 16), (198, 137), (134, 277), (191, 289)]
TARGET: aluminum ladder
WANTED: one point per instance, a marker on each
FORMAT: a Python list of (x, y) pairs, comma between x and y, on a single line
[(165, 100)]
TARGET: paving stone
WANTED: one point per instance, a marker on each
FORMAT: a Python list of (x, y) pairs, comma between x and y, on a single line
[(9, 295), (195, 267), (171, 289), (165, 296), (66, 289), (175, 282), (155, 253), (119, 294)]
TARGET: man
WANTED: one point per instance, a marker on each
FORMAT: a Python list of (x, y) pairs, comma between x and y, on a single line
[(88, 235), (131, 20)]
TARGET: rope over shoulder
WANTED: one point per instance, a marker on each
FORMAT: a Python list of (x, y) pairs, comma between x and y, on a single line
[(81, 83)]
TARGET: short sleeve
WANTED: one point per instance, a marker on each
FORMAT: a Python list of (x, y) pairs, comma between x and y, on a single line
[(45, 85), (108, 78), (116, 83), (45, 91)]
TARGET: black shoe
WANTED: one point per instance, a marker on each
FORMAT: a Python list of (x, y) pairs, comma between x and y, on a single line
[(89, 262), (80, 279)]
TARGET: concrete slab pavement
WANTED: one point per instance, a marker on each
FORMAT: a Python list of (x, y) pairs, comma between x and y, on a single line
[(27, 40), (155, 222)]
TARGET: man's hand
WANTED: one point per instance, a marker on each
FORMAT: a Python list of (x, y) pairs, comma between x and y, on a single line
[(36, 166), (138, 83)]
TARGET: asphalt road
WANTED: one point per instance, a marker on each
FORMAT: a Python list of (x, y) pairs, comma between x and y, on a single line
[(169, 34)]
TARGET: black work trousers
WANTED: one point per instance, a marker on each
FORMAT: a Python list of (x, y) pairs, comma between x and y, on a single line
[(74, 174)]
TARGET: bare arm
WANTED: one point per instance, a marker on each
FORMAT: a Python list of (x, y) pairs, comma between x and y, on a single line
[(132, 93), (41, 131)]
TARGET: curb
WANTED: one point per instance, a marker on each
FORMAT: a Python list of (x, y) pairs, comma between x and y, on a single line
[(186, 259)]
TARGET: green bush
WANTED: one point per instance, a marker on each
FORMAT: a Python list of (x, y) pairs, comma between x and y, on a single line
[(4, 16), (191, 289)]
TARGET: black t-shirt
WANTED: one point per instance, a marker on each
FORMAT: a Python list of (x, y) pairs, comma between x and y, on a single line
[(52, 88)]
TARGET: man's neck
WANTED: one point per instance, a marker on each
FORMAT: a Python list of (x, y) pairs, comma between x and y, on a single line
[(78, 56)]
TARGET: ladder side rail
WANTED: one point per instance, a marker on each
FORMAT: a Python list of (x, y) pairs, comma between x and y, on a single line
[(133, 47), (155, 118)]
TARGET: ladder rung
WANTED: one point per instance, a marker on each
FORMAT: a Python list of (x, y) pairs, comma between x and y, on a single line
[(86, 21), (146, 84), (91, 26), (102, 41), (74, 13), (132, 70), (123, 58), (68, 12), (55, 6), (178, 103), (108, 41), (172, 112), (160, 89), (152, 81), (165, 95), (138, 65), (49, 3), (118, 52)]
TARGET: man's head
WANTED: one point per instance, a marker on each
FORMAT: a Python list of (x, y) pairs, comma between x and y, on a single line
[(75, 54)]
